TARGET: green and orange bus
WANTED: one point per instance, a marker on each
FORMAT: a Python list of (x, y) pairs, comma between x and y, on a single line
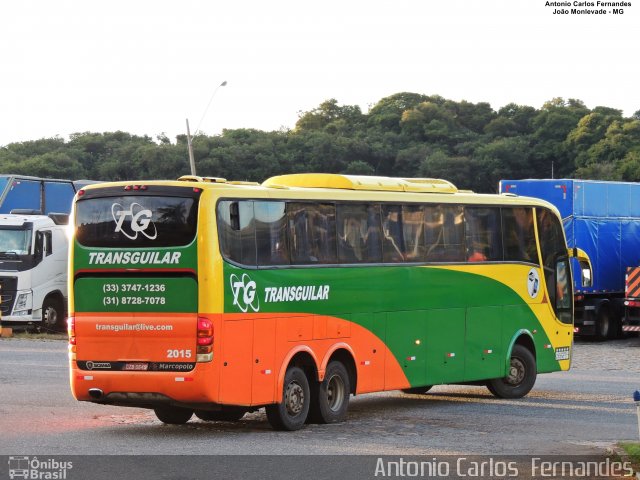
[(218, 298)]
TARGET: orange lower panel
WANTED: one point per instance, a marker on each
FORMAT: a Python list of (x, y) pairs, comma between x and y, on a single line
[(250, 356)]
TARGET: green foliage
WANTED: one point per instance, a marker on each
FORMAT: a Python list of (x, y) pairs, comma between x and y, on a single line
[(405, 134)]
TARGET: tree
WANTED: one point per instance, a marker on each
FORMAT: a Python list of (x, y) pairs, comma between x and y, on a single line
[(329, 112), (359, 168)]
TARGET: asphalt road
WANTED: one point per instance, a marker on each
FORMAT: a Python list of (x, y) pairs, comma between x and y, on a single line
[(578, 412)]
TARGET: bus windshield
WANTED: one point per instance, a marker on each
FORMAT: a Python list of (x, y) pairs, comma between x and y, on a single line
[(15, 241), (136, 221)]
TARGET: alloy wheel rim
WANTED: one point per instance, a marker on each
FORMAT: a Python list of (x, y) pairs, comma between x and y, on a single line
[(294, 398)]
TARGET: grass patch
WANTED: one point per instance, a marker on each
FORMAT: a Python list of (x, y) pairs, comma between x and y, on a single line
[(633, 451)]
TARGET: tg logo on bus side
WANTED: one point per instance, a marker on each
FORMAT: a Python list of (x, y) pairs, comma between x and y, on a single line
[(245, 293)]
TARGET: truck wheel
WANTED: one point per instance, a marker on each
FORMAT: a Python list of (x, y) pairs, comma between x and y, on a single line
[(521, 377), (52, 314), (604, 325), (291, 413), (173, 415), (330, 398)]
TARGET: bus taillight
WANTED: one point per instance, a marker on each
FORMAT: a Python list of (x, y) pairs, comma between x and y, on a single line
[(205, 340), (71, 330)]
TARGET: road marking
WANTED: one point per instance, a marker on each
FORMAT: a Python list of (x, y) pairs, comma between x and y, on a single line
[(521, 403), (22, 364)]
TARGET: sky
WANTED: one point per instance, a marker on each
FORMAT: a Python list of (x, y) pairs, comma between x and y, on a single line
[(144, 67)]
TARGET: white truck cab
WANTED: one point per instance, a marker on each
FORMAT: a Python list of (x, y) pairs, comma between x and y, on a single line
[(33, 269)]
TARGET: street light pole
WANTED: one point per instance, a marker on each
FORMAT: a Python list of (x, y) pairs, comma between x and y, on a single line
[(192, 162)]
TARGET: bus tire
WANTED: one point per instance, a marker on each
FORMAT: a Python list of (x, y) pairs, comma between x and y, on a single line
[(330, 398), (417, 390), (52, 313), (521, 378), (173, 415), (291, 413), (225, 415), (604, 324)]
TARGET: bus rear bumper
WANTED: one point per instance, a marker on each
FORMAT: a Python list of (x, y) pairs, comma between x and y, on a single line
[(144, 389)]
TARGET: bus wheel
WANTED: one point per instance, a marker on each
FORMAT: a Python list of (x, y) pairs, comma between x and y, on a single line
[(226, 415), (521, 377), (291, 412), (417, 390), (173, 415), (51, 313), (330, 398)]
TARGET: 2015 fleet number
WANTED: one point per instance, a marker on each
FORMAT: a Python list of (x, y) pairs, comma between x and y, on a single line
[(178, 353)]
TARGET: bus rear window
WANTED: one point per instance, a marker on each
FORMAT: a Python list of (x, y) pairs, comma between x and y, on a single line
[(136, 221)]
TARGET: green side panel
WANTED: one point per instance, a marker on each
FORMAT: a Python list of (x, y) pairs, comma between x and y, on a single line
[(406, 333), (136, 294), (445, 346), (445, 307), (184, 258), (484, 351), (376, 323)]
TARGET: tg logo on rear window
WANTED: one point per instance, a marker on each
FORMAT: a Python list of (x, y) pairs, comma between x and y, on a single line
[(140, 221)]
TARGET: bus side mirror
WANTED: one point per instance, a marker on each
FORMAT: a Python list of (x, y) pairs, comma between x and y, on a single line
[(585, 274), (586, 270)]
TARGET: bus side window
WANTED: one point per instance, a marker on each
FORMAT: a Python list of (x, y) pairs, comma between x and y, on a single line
[(312, 236), (271, 233), (359, 239), (483, 234), (518, 235), (434, 233), (392, 234), (236, 231), (413, 232), (453, 233)]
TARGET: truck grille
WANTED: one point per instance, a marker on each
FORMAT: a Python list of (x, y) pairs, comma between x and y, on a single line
[(8, 288)]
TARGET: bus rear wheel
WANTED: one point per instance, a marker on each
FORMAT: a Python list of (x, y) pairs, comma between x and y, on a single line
[(330, 398), (291, 413), (417, 390), (173, 415), (521, 378), (226, 415)]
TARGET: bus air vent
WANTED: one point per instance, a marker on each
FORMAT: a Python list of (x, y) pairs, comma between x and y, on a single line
[(361, 182), (195, 178)]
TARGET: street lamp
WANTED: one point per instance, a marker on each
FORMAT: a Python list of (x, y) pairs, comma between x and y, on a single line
[(192, 161)]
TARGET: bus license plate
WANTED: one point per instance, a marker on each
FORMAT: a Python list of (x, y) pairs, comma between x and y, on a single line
[(136, 366)]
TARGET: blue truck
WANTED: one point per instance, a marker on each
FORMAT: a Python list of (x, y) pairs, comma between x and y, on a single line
[(603, 219), (40, 195)]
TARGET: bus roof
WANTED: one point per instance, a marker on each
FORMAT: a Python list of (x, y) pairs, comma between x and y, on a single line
[(326, 186)]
